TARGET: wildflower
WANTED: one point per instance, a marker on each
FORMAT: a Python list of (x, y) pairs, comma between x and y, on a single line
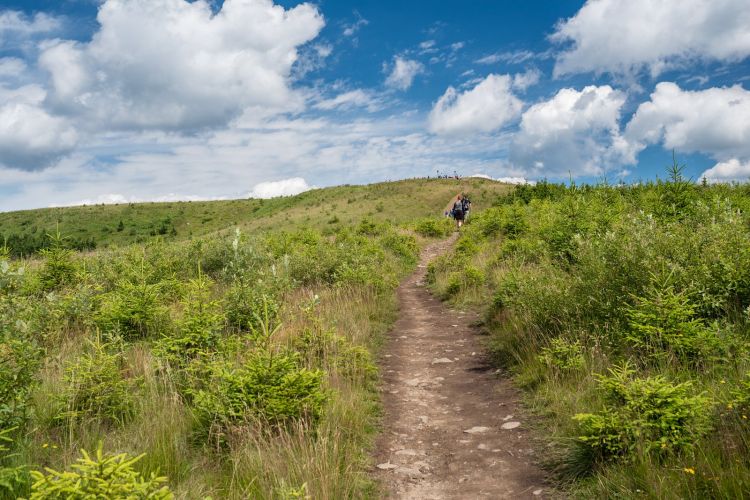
[(689, 470), (45, 445), (722, 381)]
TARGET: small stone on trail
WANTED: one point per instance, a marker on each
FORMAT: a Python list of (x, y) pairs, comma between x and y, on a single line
[(409, 472), (538, 492), (483, 447), (477, 430), (407, 452), (454, 326), (441, 360), (422, 466), (510, 425), (387, 466), (507, 417)]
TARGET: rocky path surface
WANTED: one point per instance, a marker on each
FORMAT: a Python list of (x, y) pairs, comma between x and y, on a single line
[(452, 428)]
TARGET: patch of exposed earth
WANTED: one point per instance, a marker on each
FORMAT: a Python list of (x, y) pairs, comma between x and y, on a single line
[(452, 426)]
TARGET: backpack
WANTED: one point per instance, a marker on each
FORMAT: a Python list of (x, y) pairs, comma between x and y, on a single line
[(458, 206), (465, 204)]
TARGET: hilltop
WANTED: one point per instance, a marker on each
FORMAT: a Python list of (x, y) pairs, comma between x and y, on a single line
[(97, 226)]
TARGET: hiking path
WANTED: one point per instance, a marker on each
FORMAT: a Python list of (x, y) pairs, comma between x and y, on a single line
[(452, 426)]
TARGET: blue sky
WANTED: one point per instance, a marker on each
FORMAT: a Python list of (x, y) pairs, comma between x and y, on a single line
[(136, 100)]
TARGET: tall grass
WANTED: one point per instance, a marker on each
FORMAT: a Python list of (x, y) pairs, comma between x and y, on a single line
[(126, 343), (577, 282)]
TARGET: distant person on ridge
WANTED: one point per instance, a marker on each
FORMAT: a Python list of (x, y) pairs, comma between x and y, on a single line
[(458, 211)]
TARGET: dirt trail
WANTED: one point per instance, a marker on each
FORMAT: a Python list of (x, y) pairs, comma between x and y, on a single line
[(452, 428)]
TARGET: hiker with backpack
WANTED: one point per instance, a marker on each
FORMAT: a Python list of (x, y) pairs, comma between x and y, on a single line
[(466, 204), (458, 211)]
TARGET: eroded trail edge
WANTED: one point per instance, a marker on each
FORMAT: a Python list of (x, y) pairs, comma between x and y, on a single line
[(452, 428)]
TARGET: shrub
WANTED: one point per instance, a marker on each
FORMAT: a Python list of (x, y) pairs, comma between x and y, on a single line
[(321, 347), (453, 286), (19, 361), (246, 305), (403, 246), (198, 331), (432, 227), (100, 476), (14, 479), (59, 268), (740, 401), (650, 416), (663, 322), (133, 309), (563, 355), (95, 387), (271, 387), (473, 276)]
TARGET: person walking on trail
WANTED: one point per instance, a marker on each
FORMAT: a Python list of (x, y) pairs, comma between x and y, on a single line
[(458, 211), (466, 203)]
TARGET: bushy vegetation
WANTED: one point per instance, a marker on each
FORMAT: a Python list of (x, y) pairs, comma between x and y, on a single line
[(624, 311), (98, 477), (235, 365)]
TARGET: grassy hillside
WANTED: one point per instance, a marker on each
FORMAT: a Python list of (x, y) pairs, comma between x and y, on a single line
[(235, 364), (100, 226), (625, 314)]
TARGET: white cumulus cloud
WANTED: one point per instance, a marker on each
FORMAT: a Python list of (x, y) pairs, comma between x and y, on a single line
[(484, 108), (285, 187), (16, 26), (714, 121), (31, 138), (626, 36), (575, 131), (173, 64), (728, 171), (505, 180), (403, 72), (529, 78)]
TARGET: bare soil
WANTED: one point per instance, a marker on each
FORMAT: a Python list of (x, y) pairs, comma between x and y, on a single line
[(453, 427)]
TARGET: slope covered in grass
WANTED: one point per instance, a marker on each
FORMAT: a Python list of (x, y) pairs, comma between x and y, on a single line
[(236, 363), (625, 314), (96, 226)]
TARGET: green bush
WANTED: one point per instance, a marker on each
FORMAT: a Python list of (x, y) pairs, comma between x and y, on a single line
[(433, 227), (14, 479), (740, 401), (197, 332), (663, 322), (19, 361), (270, 387), (59, 267), (133, 309), (96, 387), (323, 348), (403, 246), (643, 416), (246, 304), (99, 477), (563, 355)]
